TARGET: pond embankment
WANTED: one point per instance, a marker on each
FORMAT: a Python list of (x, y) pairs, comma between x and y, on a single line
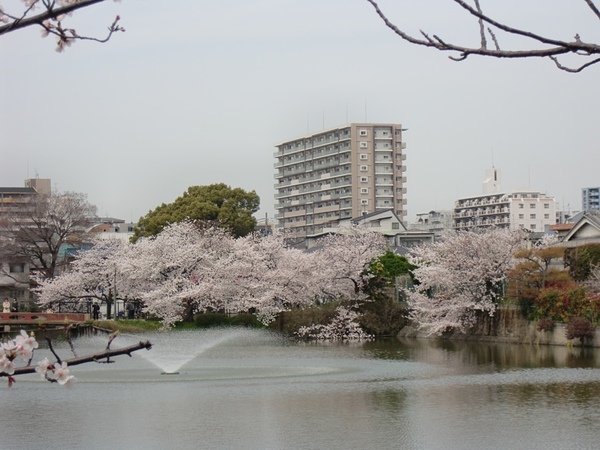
[(508, 326)]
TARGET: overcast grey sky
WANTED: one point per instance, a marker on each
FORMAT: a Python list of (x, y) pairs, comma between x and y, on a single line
[(198, 92)]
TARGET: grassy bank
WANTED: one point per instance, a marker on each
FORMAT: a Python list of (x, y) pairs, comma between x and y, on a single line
[(127, 326)]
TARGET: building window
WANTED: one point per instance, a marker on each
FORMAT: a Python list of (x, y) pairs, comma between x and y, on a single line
[(521, 206), (364, 201), (17, 268), (546, 205), (532, 206), (364, 179), (395, 226), (362, 133), (521, 216), (532, 227), (532, 216), (364, 190), (546, 216), (364, 156), (363, 145), (363, 168)]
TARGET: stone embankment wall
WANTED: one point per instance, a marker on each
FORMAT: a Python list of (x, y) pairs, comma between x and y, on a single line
[(507, 325)]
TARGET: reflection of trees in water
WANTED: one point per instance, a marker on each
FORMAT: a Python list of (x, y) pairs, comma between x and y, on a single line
[(585, 395), (467, 356), (390, 400), (581, 357)]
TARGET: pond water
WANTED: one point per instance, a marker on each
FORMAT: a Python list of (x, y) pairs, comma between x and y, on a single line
[(248, 389)]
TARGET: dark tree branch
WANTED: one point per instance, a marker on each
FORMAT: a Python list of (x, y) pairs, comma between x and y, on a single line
[(557, 47), (50, 13), (593, 7), (97, 357)]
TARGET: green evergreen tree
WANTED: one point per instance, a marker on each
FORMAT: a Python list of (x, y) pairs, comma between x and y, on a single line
[(215, 204)]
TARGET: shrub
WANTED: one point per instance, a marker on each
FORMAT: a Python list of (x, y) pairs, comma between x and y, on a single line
[(245, 320), (383, 316), (211, 319), (545, 324), (579, 327)]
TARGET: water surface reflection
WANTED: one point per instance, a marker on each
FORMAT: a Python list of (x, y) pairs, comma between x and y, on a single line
[(255, 390)]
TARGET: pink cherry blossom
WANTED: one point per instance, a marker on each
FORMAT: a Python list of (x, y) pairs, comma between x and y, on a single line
[(62, 374), (459, 277), (42, 367), (6, 365)]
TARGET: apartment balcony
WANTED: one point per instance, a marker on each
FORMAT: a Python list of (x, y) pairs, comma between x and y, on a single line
[(383, 171)]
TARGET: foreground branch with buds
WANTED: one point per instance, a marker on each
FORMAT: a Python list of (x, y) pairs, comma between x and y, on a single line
[(23, 346), (51, 20)]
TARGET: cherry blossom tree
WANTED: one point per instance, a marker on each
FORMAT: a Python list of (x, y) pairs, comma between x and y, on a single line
[(174, 272), (343, 259), (188, 268), (490, 34), (50, 16), (263, 275), (460, 276), (95, 274)]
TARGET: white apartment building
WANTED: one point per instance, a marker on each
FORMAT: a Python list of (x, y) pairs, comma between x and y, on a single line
[(339, 174), (527, 209), (590, 198), (530, 210)]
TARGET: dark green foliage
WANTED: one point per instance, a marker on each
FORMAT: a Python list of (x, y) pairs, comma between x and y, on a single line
[(527, 308), (579, 328), (384, 270), (215, 204), (581, 260), (383, 316), (213, 319)]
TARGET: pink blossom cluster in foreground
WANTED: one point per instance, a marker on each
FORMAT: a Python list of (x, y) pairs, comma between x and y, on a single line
[(23, 346)]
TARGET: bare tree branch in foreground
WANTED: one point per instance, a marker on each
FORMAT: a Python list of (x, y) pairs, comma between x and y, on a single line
[(102, 357), (489, 27), (23, 345), (51, 20)]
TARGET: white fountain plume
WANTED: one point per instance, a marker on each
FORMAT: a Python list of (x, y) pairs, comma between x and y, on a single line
[(174, 349)]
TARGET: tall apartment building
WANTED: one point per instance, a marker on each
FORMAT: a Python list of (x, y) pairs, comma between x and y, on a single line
[(338, 174), (16, 200), (590, 198)]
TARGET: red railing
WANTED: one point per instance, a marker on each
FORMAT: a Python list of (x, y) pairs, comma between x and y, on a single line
[(33, 317)]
